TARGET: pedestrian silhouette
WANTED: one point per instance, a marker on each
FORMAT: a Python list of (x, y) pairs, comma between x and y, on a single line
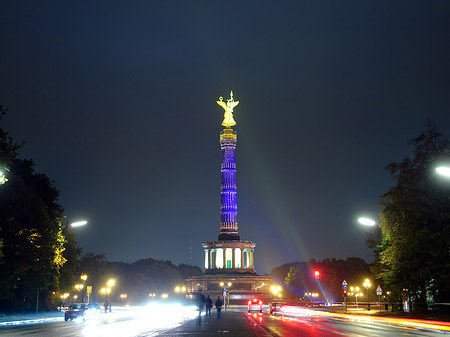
[(200, 298), (208, 306), (219, 304)]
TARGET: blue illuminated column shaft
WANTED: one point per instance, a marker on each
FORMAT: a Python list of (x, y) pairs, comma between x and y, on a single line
[(228, 192)]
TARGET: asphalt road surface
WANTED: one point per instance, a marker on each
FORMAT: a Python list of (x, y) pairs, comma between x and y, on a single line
[(176, 321), (279, 325)]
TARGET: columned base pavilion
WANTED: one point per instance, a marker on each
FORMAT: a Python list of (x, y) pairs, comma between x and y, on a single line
[(241, 287), (228, 256)]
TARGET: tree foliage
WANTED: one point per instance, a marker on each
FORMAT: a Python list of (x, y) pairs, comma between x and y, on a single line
[(137, 279), (31, 232), (413, 240), (32, 236)]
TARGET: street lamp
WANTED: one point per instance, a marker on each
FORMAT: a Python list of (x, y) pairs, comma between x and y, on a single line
[(180, 289), (356, 289), (83, 278), (443, 170), (225, 294), (2, 178), (106, 291), (367, 285), (276, 290), (79, 223), (110, 284), (366, 222), (79, 288)]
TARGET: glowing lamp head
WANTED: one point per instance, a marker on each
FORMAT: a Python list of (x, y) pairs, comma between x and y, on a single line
[(445, 171), (366, 222), (79, 223)]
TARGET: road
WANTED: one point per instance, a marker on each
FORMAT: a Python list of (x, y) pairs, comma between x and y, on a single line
[(176, 321), (280, 325)]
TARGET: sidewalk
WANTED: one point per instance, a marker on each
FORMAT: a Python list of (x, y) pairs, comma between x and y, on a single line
[(375, 311), (30, 317), (232, 324)]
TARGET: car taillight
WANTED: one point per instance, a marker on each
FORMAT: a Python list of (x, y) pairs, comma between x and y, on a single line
[(260, 302), (255, 300), (249, 302)]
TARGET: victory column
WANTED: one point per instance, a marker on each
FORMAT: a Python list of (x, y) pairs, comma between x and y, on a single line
[(229, 260)]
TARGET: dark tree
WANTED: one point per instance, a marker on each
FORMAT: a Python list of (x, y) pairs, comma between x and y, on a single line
[(95, 267), (69, 273), (32, 238), (31, 233), (299, 278), (413, 242)]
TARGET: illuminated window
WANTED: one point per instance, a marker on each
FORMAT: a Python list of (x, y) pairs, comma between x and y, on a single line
[(219, 258), (206, 259), (237, 257), (229, 257), (213, 258), (246, 261)]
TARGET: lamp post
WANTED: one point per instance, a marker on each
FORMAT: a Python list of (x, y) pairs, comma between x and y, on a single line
[(356, 293), (180, 289), (229, 284), (225, 294), (276, 291), (106, 291), (110, 284), (79, 288), (367, 285), (123, 296), (83, 278)]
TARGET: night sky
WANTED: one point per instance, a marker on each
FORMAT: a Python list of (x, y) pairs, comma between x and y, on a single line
[(116, 102)]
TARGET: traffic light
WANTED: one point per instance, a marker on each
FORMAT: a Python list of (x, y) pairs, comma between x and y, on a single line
[(345, 292), (316, 274)]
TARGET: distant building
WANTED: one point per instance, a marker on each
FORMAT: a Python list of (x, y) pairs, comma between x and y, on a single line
[(229, 264)]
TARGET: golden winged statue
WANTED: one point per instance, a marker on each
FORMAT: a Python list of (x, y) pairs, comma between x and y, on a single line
[(228, 119)]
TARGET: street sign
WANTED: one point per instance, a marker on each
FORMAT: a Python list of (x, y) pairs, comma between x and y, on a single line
[(379, 291), (344, 285)]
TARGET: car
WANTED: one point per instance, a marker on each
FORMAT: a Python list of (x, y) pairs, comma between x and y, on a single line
[(76, 310), (255, 305), (275, 307), (314, 304), (92, 310)]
